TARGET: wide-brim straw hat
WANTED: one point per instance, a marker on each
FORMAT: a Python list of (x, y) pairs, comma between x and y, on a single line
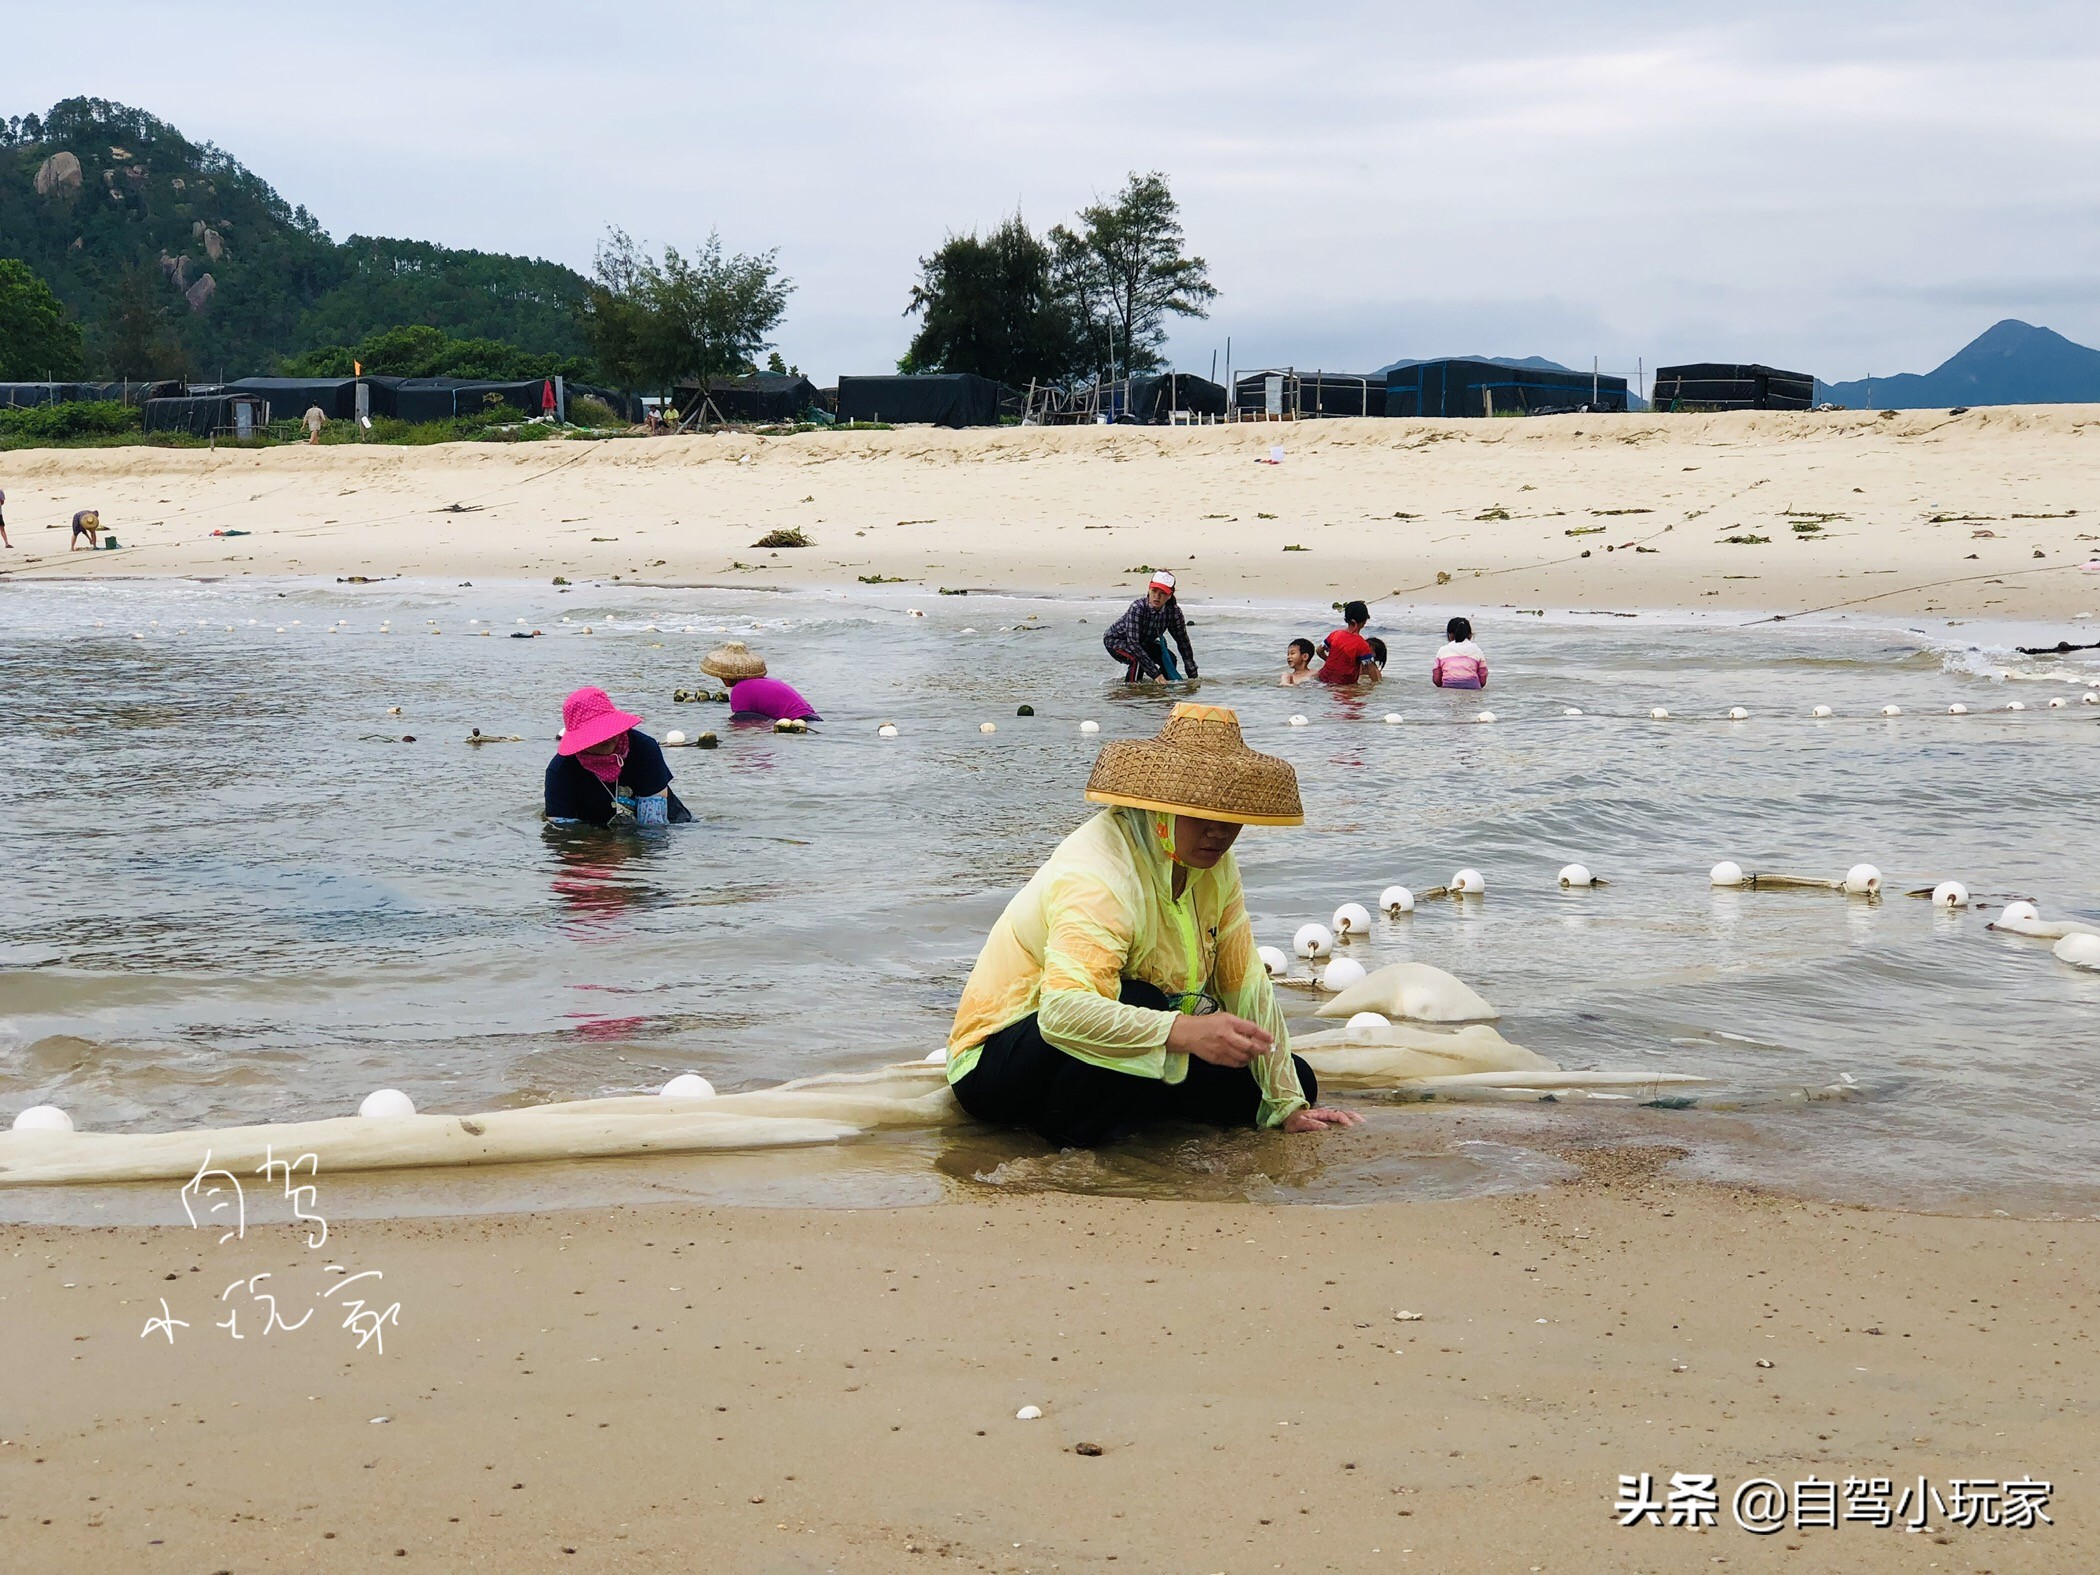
[(733, 661), (1198, 765)]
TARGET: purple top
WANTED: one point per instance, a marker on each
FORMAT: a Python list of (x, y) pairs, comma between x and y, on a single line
[(770, 697)]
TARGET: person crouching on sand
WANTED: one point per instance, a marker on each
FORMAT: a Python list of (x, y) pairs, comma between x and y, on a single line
[(753, 697), (1297, 663), (1459, 663), (1138, 639), (1121, 985), (604, 764), (86, 523)]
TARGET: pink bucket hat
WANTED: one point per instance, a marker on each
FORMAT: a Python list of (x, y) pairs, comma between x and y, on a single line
[(589, 717)]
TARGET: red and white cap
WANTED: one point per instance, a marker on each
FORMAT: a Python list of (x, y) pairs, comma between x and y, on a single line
[(1164, 581)]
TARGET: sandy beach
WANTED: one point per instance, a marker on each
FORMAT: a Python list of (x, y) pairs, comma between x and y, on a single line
[(1224, 1387), (1990, 513), (678, 1388)]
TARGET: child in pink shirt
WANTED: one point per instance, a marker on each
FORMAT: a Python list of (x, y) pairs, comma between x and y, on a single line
[(1460, 663)]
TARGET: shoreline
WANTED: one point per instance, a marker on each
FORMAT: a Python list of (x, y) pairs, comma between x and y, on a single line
[(798, 1390), (1948, 513)]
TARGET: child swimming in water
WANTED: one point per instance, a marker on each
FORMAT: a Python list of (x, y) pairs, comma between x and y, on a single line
[(1373, 667), (1460, 664), (1297, 663)]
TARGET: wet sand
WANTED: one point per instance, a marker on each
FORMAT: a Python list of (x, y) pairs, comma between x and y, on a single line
[(1990, 513), (681, 1388)]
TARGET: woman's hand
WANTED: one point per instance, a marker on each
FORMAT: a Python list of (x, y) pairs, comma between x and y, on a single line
[(1316, 1118), (1220, 1038)]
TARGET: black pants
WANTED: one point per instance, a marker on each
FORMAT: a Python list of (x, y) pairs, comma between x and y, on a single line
[(1022, 1080)]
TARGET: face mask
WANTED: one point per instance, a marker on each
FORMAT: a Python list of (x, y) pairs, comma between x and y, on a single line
[(605, 765)]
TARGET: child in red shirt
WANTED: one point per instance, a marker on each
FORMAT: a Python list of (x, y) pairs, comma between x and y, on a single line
[(1346, 649)]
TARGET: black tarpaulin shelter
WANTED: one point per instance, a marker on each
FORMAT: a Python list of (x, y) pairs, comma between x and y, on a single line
[(291, 397), (1154, 397), (19, 395), (1341, 394), (628, 407), (1457, 387), (1306, 395), (201, 415), (942, 399), (761, 396), (421, 399), (1718, 385)]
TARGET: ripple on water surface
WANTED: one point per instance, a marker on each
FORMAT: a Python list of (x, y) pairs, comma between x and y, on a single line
[(237, 893)]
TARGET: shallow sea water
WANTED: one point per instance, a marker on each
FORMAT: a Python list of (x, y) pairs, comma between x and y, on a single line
[(234, 894)]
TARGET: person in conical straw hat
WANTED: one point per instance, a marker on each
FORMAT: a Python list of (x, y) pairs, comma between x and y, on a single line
[(753, 697), (1121, 985)]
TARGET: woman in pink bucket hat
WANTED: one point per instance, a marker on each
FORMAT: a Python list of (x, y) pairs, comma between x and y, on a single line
[(604, 764)]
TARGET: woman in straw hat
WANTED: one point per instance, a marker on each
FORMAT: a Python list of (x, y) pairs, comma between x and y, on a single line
[(1121, 985), (604, 764), (753, 697)]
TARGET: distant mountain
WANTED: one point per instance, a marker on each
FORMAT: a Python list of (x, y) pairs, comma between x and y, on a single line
[(1537, 362), (179, 261), (2009, 363)]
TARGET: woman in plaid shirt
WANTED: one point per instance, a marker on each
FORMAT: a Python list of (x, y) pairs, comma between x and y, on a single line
[(1138, 638)]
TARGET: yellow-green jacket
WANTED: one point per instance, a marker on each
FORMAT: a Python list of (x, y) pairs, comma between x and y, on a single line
[(1102, 910)]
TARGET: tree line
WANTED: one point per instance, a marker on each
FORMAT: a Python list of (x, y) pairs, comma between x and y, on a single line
[(106, 247)]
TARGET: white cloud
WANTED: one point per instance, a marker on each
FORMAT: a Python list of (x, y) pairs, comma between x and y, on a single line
[(1846, 190)]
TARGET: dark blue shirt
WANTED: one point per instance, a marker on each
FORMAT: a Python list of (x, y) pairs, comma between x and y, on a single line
[(573, 793)]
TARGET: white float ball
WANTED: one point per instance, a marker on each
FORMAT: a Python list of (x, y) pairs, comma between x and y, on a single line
[(1575, 875), (1863, 880), (987, 727), (2016, 705), (1392, 718), (674, 737), (2021, 913), (1340, 974), (1368, 1022), (1351, 918), (1950, 894), (1737, 714), (43, 1118), (1892, 710), (1571, 711), (1957, 709), (2079, 950), (383, 1103), (1089, 727), (887, 730), (1397, 900), (1468, 882), (1725, 873), (1301, 721), (1822, 710), (933, 1057), (1273, 960), (2092, 697), (1312, 940), (688, 1085), (1485, 716), (2058, 703)]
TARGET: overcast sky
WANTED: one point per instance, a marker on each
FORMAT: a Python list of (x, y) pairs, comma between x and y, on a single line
[(1843, 190)]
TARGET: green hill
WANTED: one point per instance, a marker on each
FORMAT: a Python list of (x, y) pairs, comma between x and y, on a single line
[(178, 261)]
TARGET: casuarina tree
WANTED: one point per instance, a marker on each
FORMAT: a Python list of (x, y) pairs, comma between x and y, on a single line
[(653, 323), (1125, 266), (993, 306), (37, 339)]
